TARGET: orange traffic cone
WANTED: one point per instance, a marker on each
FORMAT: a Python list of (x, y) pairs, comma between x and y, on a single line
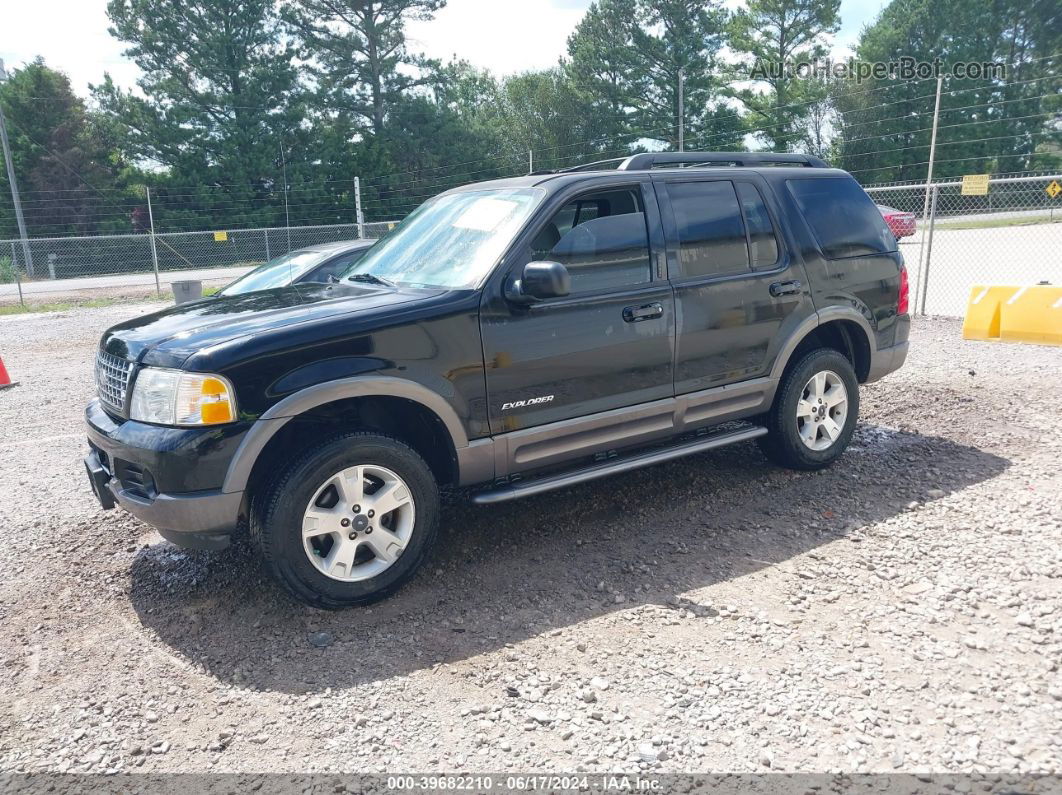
[(5, 379)]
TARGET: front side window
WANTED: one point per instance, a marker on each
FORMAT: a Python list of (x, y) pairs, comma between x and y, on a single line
[(711, 236), (844, 219), (601, 238), (451, 241)]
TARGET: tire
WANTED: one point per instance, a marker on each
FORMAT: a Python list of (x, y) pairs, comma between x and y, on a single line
[(325, 553), (801, 440)]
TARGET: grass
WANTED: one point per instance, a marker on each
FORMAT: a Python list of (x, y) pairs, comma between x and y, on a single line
[(7, 271), (65, 306), (993, 223)]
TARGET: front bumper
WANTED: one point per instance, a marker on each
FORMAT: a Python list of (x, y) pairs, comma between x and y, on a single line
[(147, 470)]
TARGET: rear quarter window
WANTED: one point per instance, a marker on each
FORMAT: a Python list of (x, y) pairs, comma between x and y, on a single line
[(842, 217)]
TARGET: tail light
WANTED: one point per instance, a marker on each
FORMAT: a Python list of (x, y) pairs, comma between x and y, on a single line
[(903, 304)]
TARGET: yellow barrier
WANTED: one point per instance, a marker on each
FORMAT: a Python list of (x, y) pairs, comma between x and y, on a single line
[(982, 311), (1014, 314), (1032, 314)]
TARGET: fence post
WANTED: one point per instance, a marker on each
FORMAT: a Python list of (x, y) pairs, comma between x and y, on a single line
[(929, 252), (154, 251), (265, 233), (14, 272), (357, 208)]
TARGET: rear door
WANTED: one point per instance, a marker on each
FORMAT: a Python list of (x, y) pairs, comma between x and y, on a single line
[(739, 289)]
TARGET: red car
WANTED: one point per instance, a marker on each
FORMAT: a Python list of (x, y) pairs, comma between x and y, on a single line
[(902, 224)]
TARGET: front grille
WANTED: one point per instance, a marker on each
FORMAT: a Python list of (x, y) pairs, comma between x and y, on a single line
[(112, 379)]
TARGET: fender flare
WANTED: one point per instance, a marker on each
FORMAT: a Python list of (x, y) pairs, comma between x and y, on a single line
[(277, 416), (812, 322)]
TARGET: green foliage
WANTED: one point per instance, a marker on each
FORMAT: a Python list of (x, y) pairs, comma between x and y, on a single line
[(986, 125), (58, 148), (251, 112), (356, 52), (220, 99), (626, 57), (7, 270), (773, 33)]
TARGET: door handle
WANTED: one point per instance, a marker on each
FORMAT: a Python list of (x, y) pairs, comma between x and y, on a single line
[(636, 314), (786, 288)]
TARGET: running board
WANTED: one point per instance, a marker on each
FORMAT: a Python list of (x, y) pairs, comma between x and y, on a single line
[(528, 488)]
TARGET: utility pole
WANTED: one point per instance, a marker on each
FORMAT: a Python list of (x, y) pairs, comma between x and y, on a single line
[(287, 215), (929, 180), (681, 110), (14, 186), (154, 250)]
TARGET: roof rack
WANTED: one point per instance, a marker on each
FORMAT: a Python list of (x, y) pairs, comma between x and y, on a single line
[(597, 164), (653, 159)]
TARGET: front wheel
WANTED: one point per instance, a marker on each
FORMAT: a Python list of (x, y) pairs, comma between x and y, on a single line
[(814, 413), (348, 522)]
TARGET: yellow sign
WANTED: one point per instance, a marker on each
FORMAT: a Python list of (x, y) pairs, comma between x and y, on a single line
[(975, 185), (221, 237), (390, 226), (1053, 189)]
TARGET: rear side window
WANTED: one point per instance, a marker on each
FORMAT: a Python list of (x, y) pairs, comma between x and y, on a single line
[(711, 237), (842, 216), (763, 245)]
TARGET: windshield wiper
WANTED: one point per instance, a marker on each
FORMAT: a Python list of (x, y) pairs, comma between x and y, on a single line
[(372, 278)]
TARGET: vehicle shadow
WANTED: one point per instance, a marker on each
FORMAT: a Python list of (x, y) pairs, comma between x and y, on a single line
[(503, 574)]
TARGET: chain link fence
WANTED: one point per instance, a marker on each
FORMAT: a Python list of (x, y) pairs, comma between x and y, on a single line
[(1013, 234), (72, 268)]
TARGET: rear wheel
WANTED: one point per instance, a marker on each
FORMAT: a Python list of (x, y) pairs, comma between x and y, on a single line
[(814, 412), (349, 521)]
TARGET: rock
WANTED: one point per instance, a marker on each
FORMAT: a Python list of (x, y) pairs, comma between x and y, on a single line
[(321, 639), (539, 715), (598, 683)]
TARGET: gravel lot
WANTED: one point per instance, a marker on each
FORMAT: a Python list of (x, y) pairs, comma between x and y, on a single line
[(900, 611)]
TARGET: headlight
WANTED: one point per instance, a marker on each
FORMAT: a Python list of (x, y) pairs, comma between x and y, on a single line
[(174, 397)]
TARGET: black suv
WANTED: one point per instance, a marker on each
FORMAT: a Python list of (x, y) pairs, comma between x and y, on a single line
[(512, 337)]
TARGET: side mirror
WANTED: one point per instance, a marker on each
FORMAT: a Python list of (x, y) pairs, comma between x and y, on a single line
[(540, 280)]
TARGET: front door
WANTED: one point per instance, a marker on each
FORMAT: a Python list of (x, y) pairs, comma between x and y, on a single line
[(607, 345), (738, 288)]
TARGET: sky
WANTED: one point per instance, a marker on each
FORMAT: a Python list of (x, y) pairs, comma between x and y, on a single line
[(504, 36)]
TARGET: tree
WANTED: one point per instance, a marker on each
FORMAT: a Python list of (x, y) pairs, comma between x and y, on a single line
[(774, 36), (673, 36), (220, 97), (356, 50), (602, 59), (67, 171), (990, 124)]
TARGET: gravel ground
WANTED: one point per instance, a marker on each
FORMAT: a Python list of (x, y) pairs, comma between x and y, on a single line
[(900, 611)]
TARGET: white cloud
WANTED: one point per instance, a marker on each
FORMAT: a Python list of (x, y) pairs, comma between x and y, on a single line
[(71, 35), (505, 36)]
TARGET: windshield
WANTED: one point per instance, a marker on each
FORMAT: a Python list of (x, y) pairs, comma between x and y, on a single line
[(452, 240), (278, 272)]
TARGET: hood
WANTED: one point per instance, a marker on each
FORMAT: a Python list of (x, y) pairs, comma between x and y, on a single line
[(169, 337)]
